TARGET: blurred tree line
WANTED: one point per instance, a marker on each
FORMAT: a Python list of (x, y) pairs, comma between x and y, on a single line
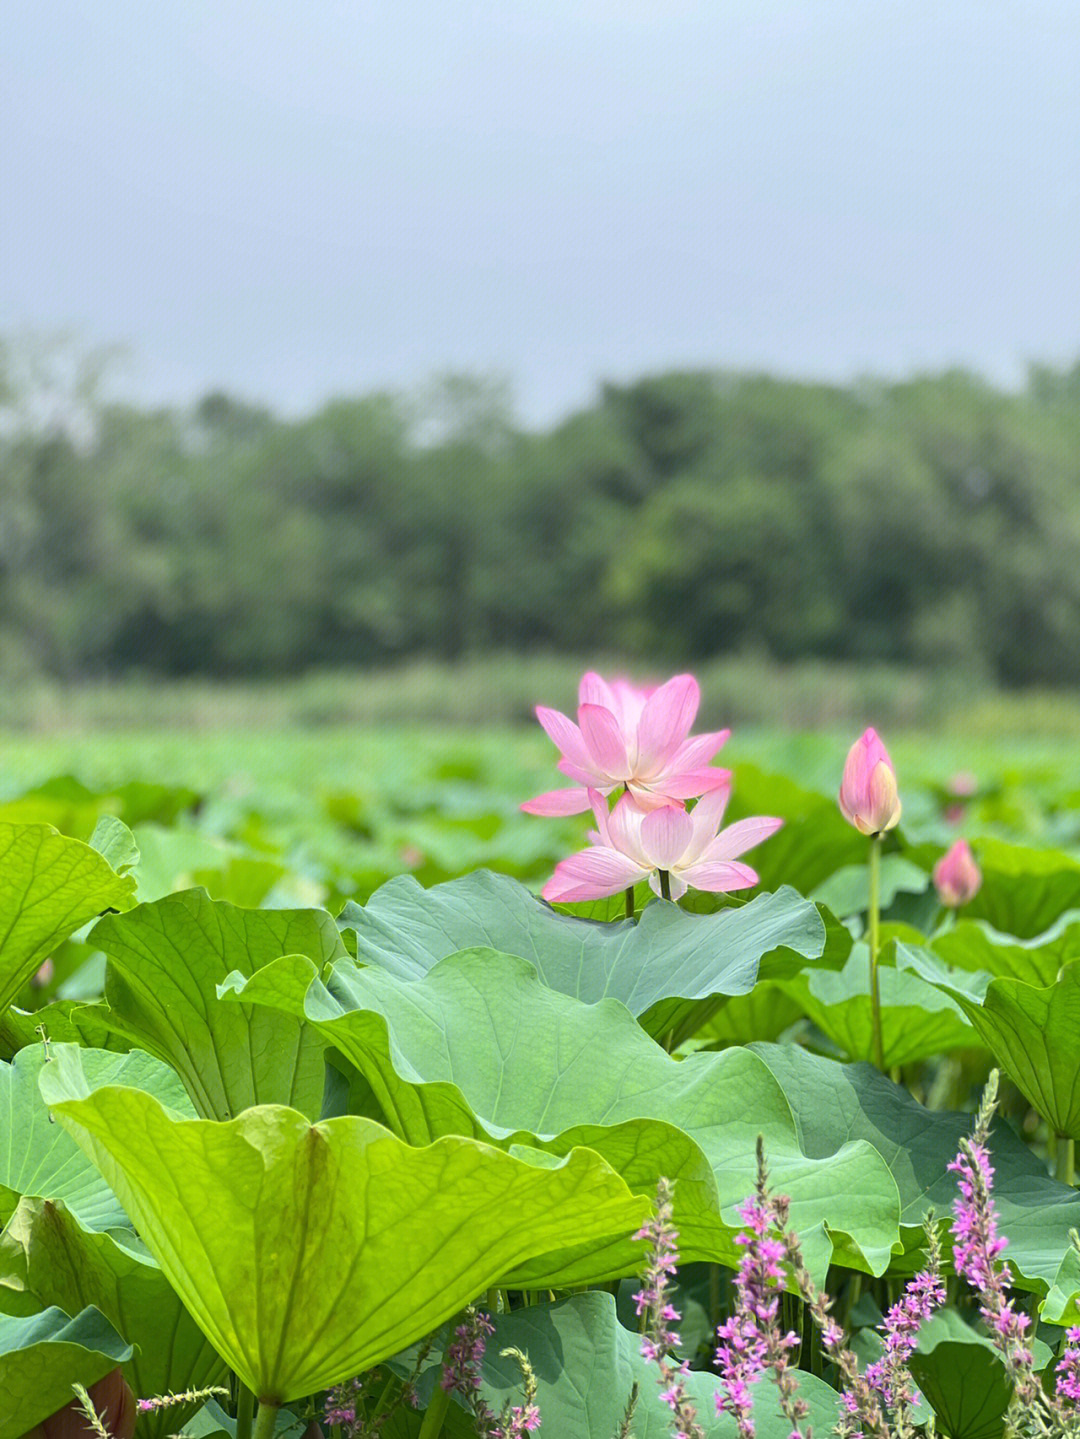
[(687, 515)]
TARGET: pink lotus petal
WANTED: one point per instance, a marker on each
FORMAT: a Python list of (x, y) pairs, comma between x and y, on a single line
[(699, 750), (705, 818), (566, 735), (665, 833), (558, 801), (665, 723), (594, 690), (600, 810), (720, 876), (585, 776), (744, 834), (690, 784), (647, 798), (624, 830), (604, 741), (592, 874)]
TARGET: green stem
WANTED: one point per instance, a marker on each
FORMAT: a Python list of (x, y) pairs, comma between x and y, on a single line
[(264, 1424), (873, 918), (665, 884), (431, 1428), (629, 901), (1065, 1164), (245, 1410)]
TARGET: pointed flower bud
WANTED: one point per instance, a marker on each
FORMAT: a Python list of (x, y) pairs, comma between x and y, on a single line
[(868, 795), (957, 877)]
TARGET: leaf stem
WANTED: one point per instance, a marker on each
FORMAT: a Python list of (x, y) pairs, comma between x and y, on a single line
[(665, 884), (245, 1410), (1065, 1161), (432, 1426), (873, 918), (265, 1423)]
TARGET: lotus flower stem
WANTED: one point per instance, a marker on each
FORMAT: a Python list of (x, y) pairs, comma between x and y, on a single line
[(629, 901), (1065, 1163), (245, 1412), (665, 884), (873, 921), (432, 1426), (267, 1419)]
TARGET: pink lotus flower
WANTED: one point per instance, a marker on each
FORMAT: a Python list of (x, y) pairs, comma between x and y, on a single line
[(631, 844), (633, 737), (868, 794), (957, 877)]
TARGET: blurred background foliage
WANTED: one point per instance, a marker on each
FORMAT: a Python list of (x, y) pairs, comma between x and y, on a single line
[(685, 518)]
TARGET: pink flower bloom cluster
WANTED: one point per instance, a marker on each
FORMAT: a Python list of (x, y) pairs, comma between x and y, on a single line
[(751, 1340), (461, 1375), (875, 1403), (652, 1301), (638, 741)]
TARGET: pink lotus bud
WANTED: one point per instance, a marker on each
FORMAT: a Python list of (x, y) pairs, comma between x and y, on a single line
[(43, 975), (956, 875), (868, 794)]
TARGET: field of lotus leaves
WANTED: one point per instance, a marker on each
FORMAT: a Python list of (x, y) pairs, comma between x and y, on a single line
[(316, 1117)]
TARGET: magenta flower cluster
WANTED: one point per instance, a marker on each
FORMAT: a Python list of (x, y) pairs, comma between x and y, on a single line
[(461, 1375), (875, 1403), (637, 743)]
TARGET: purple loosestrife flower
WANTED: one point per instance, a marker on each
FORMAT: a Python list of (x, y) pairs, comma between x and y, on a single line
[(461, 1367), (751, 1339), (1067, 1385), (890, 1376), (976, 1246), (653, 1301)]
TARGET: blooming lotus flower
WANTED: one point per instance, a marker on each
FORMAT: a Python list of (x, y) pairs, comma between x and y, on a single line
[(631, 844), (868, 794), (633, 737), (957, 877)]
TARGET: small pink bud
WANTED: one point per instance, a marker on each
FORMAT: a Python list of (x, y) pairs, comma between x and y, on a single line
[(956, 875), (43, 976), (868, 795)]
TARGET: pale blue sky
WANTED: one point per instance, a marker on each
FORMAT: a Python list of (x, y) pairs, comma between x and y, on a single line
[(293, 198)]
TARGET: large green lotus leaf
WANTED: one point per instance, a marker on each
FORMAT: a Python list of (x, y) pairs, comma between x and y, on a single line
[(308, 1253), (481, 1047), (42, 1355), (975, 945), (586, 1364), (65, 1021), (49, 887), (961, 1374), (1035, 1036), (853, 1101), (666, 955), (165, 962), (47, 1256), (38, 1158), (763, 1014), (1024, 891), (917, 1019)]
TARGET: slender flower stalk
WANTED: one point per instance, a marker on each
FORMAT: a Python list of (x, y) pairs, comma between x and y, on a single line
[(188, 1396), (653, 1301), (890, 1375), (873, 939)]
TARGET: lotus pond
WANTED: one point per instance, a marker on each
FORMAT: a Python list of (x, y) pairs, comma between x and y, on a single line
[(316, 1117)]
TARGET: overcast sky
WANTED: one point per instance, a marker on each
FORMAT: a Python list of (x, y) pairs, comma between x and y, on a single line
[(293, 198)]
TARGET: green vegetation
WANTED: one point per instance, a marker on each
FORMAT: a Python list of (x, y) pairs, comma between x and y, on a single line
[(932, 524)]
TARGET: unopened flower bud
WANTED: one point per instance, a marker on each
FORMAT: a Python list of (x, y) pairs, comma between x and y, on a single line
[(956, 875), (868, 795)]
